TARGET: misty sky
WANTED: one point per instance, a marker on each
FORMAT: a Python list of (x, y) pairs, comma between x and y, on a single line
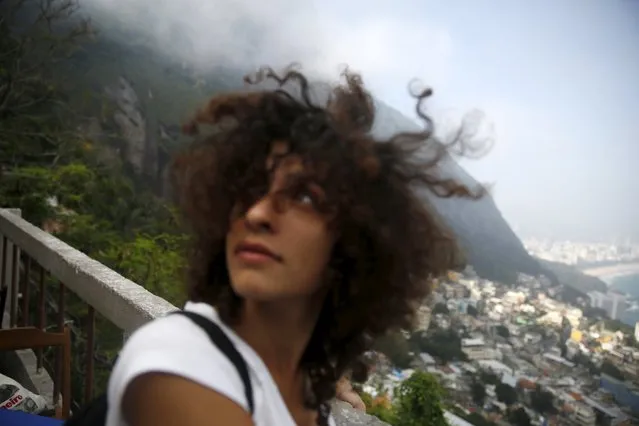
[(558, 82)]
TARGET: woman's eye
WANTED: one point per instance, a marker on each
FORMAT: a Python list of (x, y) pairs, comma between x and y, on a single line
[(305, 198)]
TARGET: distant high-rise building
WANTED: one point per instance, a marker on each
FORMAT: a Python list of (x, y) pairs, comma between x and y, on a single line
[(637, 331), (613, 303), (423, 318)]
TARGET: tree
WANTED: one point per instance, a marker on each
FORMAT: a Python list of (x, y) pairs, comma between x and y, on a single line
[(379, 407), (489, 378), (519, 417), (153, 261), (418, 402), (477, 419), (472, 311), (506, 393), (543, 401), (502, 331), (34, 37), (442, 344), (478, 393), (440, 308), (396, 348)]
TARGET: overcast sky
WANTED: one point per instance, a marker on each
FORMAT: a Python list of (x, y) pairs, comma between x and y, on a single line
[(558, 82)]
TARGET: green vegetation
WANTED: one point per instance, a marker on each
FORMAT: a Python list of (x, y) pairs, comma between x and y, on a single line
[(543, 401), (379, 408), (54, 174), (477, 419), (502, 331), (418, 401), (57, 174), (440, 308), (472, 311), (478, 393), (444, 345), (489, 378), (396, 348), (519, 417), (506, 393)]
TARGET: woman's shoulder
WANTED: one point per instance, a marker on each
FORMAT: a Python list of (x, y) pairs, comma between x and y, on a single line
[(168, 333), (171, 335), (176, 345)]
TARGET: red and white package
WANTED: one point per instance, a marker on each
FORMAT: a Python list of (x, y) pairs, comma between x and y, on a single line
[(14, 396)]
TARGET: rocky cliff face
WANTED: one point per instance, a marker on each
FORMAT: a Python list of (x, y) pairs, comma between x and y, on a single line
[(145, 139)]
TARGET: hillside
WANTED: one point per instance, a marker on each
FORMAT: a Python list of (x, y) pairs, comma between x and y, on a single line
[(489, 243), (571, 276), (134, 97)]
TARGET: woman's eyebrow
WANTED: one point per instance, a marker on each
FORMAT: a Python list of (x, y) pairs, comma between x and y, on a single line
[(293, 179), (300, 177)]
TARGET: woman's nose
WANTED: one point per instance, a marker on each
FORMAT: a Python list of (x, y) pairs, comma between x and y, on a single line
[(260, 216)]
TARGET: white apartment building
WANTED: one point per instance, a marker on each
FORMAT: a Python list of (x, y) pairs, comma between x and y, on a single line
[(476, 349), (479, 353), (613, 303), (423, 318)]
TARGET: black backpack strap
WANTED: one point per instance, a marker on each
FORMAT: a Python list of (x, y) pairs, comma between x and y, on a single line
[(224, 344)]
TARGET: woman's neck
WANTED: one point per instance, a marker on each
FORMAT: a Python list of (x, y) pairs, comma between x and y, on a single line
[(279, 332)]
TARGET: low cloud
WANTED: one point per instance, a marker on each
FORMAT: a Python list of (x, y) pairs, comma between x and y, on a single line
[(243, 34)]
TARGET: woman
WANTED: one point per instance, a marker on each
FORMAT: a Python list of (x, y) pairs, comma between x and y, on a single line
[(309, 242)]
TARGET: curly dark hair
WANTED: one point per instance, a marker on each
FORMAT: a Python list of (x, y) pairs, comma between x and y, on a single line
[(392, 243)]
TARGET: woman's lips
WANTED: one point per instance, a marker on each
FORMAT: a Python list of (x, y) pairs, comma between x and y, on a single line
[(254, 257), (255, 253)]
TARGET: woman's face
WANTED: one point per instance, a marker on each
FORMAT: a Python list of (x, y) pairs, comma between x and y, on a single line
[(279, 253)]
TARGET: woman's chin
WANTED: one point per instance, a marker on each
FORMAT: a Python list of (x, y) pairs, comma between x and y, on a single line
[(255, 286), (262, 286)]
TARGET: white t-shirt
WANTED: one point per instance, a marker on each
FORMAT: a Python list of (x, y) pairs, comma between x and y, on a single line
[(176, 345)]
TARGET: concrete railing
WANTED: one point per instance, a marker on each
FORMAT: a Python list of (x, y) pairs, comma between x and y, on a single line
[(34, 261), (121, 301)]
